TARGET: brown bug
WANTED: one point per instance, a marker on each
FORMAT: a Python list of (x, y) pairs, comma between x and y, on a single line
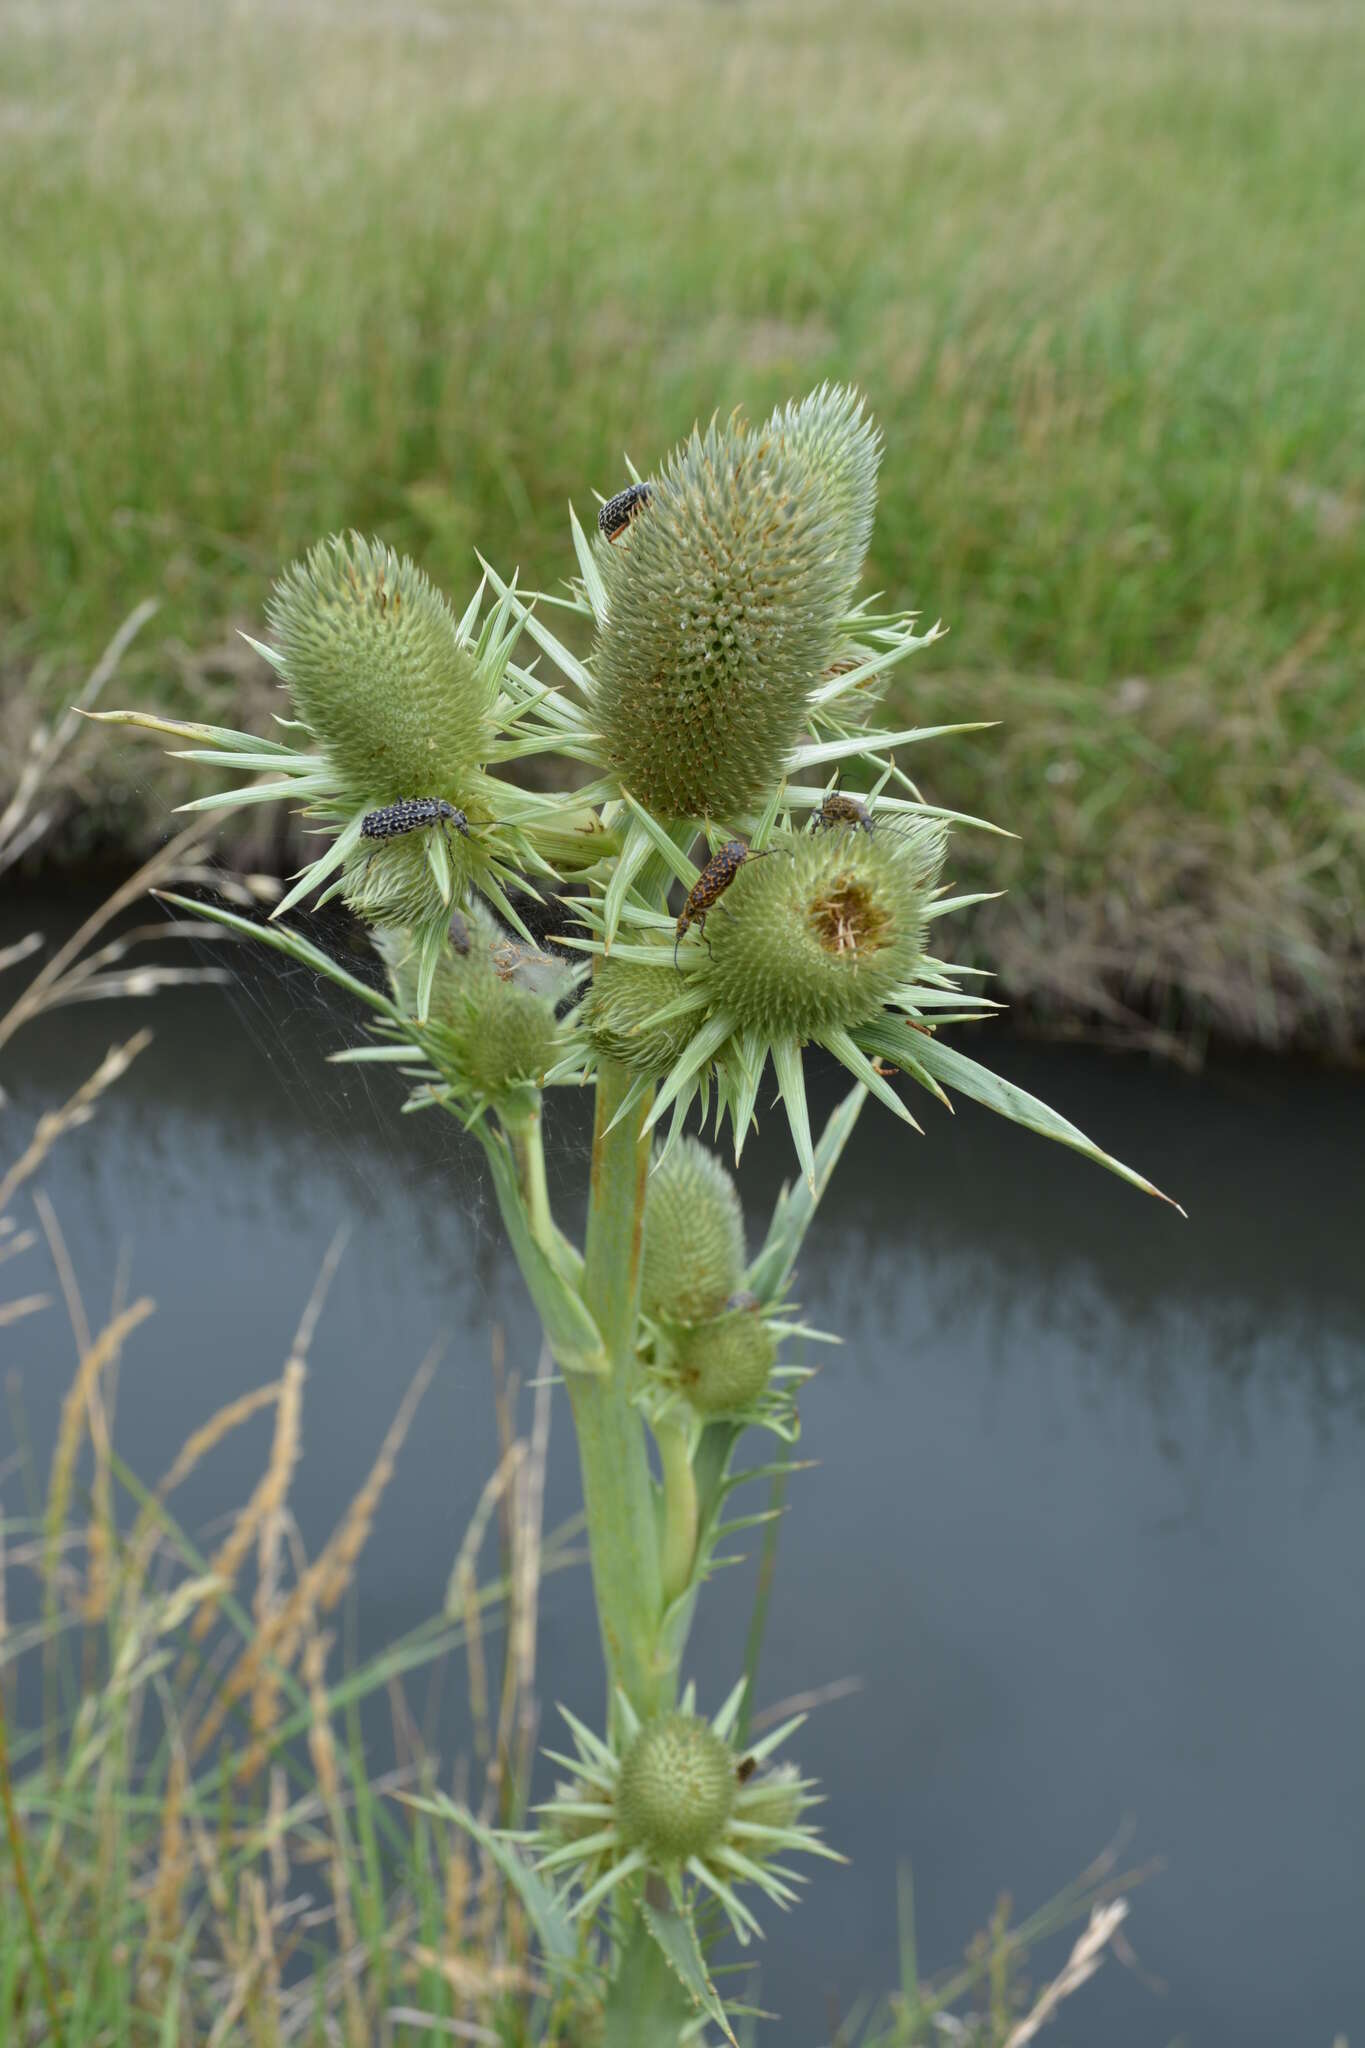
[(838, 809), (745, 1769), (615, 516), (710, 885), (742, 1300)]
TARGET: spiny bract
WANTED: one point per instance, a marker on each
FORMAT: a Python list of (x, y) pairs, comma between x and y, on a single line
[(676, 1789), (723, 605), (818, 936), (694, 1236), (376, 670)]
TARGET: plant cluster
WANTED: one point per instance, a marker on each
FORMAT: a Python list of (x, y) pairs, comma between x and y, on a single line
[(718, 913)]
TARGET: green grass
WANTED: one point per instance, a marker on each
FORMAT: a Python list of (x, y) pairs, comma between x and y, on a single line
[(430, 269)]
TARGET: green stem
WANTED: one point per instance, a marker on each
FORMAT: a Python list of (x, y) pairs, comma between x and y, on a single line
[(679, 1546), (525, 1134), (618, 1490)]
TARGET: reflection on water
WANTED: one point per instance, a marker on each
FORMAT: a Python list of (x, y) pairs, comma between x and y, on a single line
[(1087, 1523)]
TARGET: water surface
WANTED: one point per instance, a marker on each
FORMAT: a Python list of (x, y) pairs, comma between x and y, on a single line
[(1088, 1522)]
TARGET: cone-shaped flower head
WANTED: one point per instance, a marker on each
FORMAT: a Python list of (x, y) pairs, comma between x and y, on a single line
[(668, 1799), (373, 659), (830, 435), (723, 602), (723, 1366), (816, 936), (676, 1790), (694, 1235)]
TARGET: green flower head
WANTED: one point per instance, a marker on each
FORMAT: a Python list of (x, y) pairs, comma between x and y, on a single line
[(722, 604), (373, 660), (694, 1235), (669, 1799)]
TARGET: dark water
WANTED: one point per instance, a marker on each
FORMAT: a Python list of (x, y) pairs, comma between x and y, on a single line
[(1088, 1523)]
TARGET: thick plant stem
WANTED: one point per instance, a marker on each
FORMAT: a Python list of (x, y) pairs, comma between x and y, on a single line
[(679, 1547), (618, 1490)]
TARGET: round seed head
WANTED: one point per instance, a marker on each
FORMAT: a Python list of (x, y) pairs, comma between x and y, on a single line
[(724, 1365), (821, 934), (676, 1789), (722, 613), (619, 1013), (376, 670), (694, 1236)]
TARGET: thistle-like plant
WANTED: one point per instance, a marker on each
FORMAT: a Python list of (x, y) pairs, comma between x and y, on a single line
[(722, 905)]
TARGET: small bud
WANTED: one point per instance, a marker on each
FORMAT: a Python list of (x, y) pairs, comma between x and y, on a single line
[(722, 1366), (721, 615), (819, 935), (487, 1030), (376, 670), (676, 1789), (694, 1236)]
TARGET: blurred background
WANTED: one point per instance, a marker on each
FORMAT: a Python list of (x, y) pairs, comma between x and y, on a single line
[(274, 267)]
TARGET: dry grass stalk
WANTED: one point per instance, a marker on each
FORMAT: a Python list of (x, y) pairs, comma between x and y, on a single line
[(338, 1560), (66, 1275), (262, 1517), (66, 977), (267, 1960), (522, 1630), (474, 1980), (322, 1750), (198, 1445), (13, 1241), (277, 1806), (20, 827), (267, 1498), (323, 1583), (164, 1915), (77, 1110), (95, 1359), (462, 1591), (1079, 1968), (25, 1305)]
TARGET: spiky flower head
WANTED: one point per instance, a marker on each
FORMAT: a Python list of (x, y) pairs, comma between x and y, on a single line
[(490, 1027), (667, 1798), (723, 601), (621, 1016), (374, 663), (817, 935), (676, 1789), (694, 1235)]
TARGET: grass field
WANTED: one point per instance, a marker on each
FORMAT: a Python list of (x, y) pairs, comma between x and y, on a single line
[(269, 269)]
